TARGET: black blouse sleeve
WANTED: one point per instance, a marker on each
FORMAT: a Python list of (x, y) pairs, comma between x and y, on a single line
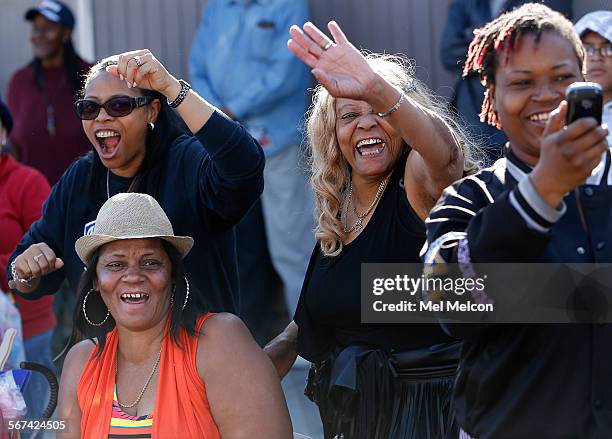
[(315, 342)]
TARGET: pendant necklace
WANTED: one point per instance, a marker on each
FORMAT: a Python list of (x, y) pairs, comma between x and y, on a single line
[(50, 107), (361, 216), (127, 406)]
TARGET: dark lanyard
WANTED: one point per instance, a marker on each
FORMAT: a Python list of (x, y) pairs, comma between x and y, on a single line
[(50, 110)]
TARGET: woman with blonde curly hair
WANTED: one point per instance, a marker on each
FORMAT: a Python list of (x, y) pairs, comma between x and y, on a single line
[(382, 151)]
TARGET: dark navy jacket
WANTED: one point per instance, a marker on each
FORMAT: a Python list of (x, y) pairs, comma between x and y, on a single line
[(524, 381), (207, 183)]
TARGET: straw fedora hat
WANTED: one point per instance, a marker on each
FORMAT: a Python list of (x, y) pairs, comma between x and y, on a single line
[(130, 216)]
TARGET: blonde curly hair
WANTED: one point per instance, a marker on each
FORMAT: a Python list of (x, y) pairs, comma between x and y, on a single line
[(330, 172)]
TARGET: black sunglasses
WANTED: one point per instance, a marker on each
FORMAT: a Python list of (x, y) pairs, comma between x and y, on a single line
[(118, 106)]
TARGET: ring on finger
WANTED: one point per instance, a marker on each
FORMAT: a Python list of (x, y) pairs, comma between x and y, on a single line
[(37, 257), (328, 45), (137, 59)]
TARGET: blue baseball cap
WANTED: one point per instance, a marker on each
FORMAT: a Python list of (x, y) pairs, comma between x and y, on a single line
[(54, 11)]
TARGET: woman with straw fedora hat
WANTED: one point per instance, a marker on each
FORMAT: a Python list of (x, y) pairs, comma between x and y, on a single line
[(151, 362)]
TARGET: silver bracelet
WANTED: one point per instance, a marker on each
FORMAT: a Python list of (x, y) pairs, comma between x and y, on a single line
[(185, 87), (16, 278), (393, 109)]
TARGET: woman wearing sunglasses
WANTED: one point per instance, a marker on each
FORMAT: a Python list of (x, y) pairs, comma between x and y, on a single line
[(204, 169)]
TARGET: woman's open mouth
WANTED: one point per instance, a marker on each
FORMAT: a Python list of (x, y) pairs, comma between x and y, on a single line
[(134, 298), (108, 141), (370, 147)]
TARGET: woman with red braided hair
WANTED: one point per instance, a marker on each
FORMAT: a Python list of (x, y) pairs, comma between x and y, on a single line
[(546, 201)]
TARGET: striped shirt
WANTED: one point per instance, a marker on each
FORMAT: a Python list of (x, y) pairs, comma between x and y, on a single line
[(123, 425)]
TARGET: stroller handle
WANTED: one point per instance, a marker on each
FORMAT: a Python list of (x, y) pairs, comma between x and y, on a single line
[(53, 385)]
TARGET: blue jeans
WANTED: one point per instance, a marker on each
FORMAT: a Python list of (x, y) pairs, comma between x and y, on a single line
[(36, 394)]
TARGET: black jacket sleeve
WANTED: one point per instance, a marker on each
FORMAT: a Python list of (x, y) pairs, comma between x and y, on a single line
[(224, 164), (50, 229)]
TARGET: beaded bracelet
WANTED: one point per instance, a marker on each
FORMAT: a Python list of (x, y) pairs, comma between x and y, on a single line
[(185, 87)]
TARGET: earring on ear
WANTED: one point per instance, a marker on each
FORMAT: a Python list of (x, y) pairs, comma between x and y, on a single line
[(152, 125)]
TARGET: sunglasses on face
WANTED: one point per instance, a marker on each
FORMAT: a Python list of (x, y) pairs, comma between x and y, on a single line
[(118, 106), (603, 51)]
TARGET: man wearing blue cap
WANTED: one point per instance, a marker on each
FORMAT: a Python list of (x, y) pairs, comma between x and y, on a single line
[(47, 134), (595, 30)]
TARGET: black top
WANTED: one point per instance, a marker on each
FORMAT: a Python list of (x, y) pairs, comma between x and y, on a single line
[(329, 311), (207, 182), (524, 381)]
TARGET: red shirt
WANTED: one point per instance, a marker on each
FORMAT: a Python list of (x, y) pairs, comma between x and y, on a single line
[(22, 193), (51, 155)]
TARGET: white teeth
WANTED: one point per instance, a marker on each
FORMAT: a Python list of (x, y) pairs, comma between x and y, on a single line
[(540, 117), (369, 153), (370, 141), (102, 134), (134, 295)]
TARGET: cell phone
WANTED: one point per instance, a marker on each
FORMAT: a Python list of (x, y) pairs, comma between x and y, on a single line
[(584, 99)]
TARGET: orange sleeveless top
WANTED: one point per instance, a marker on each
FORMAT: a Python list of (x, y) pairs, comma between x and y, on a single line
[(181, 406)]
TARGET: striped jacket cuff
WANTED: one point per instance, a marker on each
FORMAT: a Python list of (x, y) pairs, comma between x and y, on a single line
[(532, 208)]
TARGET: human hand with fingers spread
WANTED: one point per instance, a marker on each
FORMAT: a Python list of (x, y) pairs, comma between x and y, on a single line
[(568, 155), (338, 65), (35, 262)]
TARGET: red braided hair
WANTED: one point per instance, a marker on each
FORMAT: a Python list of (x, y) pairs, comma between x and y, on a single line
[(495, 41)]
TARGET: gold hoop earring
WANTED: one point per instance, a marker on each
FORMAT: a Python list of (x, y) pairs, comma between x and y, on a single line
[(85, 312)]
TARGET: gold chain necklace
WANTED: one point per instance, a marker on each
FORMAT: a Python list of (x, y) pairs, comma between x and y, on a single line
[(128, 406), (361, 216)]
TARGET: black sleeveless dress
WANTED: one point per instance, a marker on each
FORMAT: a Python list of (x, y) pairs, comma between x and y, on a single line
[(365, 377)]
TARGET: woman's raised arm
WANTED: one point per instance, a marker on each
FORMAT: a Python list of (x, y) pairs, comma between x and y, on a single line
[(344, 71)]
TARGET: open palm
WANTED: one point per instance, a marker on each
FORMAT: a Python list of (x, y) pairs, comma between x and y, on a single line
[(337, 65)]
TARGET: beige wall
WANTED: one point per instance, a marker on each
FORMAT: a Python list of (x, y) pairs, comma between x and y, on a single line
[(412, 27), (167, 28)]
